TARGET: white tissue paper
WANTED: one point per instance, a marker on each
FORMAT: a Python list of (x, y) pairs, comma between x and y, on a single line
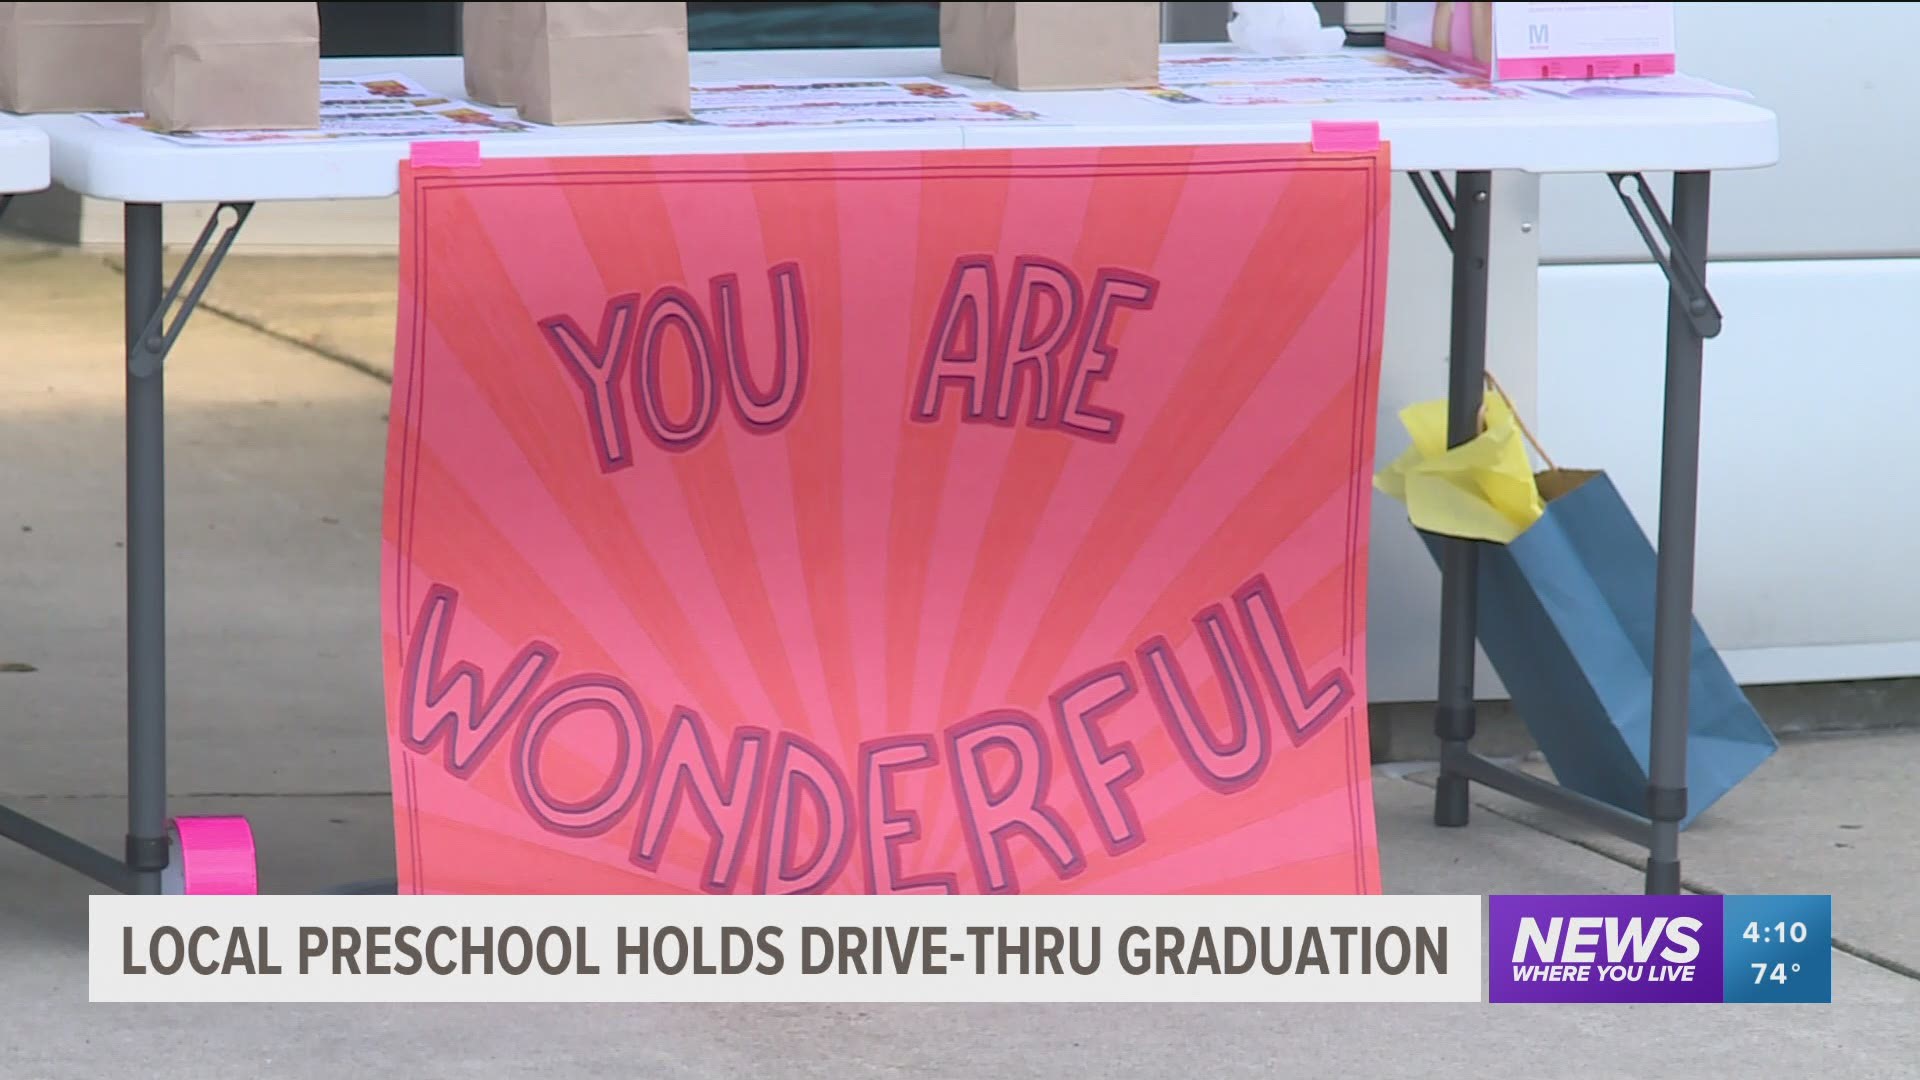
[(1282, 29)]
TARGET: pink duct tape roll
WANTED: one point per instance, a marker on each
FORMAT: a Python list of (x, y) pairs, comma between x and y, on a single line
[(215, 856)]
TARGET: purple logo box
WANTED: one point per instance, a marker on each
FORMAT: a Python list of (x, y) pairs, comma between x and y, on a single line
[(1605, 948)]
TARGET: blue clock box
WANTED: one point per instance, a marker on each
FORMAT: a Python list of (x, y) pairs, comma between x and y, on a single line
[(1778, 949), (1566, 618)]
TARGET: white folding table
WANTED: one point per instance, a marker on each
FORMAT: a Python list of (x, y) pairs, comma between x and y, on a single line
[(23, 158), (1620, 137)]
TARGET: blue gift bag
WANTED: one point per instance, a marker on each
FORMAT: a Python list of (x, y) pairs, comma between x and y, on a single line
[(1566, 617)]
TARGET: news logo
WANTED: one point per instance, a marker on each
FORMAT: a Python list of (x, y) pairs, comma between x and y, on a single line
[(1660, 949), (1605, 948)]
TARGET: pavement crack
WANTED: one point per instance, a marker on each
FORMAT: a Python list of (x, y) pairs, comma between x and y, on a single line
[(344, 359), (336, 356), (1858, 952)]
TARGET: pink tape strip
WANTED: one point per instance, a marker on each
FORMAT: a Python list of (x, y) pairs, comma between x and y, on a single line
[(216, 856), (1346, 136), (1587, 67), (454, 153)]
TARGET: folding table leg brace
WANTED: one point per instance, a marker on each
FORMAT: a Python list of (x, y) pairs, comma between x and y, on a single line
[(1691, 317), (184, 854)]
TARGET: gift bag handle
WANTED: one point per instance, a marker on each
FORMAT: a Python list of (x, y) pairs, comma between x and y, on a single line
[(1525, 431)]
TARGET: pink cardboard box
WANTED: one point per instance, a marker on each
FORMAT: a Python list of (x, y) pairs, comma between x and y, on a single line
[(1509, 40)]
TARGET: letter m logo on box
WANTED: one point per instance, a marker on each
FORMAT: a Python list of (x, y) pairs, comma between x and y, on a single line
[(885, 522)]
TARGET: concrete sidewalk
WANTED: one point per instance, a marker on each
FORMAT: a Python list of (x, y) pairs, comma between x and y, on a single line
[(275, 469)]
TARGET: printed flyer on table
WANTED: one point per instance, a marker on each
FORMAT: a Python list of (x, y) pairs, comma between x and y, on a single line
[(385, 106), (810, 102), (1347, 78)]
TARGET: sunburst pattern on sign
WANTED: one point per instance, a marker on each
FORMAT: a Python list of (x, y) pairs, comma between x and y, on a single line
[(754, 605)]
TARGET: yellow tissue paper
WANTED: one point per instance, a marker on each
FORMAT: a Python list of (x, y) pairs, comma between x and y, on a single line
[(1481, 490)]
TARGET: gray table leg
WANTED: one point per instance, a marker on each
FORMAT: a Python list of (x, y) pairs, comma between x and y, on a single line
[(1453, 719), (149, 337), (1679, 487), (146, 562)]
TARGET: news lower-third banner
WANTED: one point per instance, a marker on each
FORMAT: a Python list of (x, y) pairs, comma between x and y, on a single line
[(1660, 949), (859, 948)]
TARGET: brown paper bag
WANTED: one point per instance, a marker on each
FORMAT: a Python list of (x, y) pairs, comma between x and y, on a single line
[(1074, 46), (70, 57), (604, 63), (230, 67), (966, 43), (495, 59)]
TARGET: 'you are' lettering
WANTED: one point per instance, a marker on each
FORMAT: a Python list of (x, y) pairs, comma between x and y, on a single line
[(623, 369)]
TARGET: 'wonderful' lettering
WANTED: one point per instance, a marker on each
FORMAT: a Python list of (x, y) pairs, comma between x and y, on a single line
[(754, 792)]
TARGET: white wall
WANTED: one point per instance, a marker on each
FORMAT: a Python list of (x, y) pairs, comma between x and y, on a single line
[(1843, 81), (1809, 566)]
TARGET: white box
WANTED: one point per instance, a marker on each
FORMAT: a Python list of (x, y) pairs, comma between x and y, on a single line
[(1595, 40)]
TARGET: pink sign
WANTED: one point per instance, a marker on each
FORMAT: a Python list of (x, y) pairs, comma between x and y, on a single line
[(885, 522)]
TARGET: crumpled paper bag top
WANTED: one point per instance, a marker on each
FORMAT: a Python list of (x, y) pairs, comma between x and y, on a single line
[(1483, 489)]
